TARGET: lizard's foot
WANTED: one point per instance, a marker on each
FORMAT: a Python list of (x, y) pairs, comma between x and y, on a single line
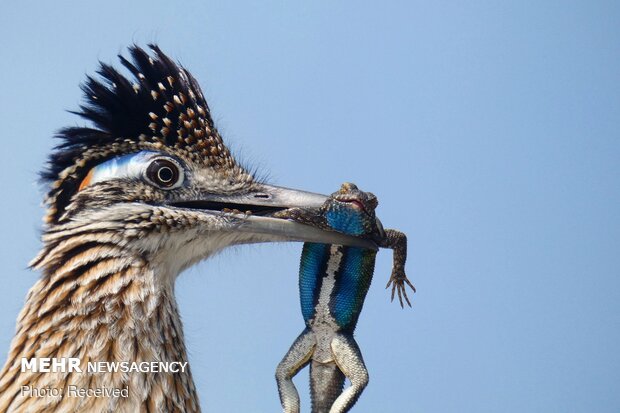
[(399, 281)]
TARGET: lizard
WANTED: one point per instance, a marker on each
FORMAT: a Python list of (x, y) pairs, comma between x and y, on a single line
[(333, 282)]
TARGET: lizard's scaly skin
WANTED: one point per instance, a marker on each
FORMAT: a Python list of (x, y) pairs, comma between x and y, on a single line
[(333, 282)]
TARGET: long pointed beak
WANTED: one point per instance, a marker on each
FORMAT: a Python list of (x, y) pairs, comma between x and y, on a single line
[(283, 198), (267, 199)]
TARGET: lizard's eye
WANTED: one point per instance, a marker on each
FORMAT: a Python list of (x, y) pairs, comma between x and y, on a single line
[(164, 173)]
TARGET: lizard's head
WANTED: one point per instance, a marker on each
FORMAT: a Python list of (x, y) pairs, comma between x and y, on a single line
[(351, 211)]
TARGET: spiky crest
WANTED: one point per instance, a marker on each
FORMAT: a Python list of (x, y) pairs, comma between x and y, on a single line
[(162, 105)]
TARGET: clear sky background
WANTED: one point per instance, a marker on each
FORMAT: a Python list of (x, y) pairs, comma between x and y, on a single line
[(489, 131)]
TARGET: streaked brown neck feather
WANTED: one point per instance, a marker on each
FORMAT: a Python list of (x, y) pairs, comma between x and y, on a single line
[(98, 301)]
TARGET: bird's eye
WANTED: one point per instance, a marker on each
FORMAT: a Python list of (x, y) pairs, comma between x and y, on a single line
[(164, 173)]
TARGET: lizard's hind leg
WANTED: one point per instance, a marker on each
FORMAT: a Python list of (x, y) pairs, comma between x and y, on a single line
[(349, 359), (295, 359)]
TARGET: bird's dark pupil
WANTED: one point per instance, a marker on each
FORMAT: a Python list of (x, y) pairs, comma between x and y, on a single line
[(165, 174)]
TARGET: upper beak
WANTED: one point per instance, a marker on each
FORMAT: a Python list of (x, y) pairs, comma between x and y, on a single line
[(268, 199)]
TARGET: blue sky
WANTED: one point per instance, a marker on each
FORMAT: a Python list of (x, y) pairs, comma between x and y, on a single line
[(488, 130)]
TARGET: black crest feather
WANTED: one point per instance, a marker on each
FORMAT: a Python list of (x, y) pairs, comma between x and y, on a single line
[(161, 105)]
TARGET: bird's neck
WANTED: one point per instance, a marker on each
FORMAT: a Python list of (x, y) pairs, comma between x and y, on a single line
[(100, 302)]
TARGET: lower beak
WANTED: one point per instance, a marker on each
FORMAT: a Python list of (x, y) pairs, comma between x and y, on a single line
[(286, 230), (267, 199)]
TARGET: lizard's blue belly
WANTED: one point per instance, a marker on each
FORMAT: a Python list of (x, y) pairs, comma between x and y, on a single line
[(333, 281)]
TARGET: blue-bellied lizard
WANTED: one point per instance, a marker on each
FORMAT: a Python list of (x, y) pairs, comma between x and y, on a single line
[(333, 282)]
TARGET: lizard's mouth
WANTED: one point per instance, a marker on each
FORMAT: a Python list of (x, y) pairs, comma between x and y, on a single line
[(355, 204)]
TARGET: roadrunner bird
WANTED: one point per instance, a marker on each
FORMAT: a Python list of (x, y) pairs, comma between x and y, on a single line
[(147, 191)]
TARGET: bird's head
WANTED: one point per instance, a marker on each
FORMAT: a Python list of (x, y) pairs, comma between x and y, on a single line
[(154, 171)]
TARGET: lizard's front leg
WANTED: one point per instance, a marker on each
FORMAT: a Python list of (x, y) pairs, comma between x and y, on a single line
[(349, 359), (397, 241), (306, 216), (295, 359)]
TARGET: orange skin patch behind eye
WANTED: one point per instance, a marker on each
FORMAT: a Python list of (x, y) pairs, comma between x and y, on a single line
[(87, 179)]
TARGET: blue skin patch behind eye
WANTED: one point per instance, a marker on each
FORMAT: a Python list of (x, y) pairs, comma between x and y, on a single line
[(125, 166)]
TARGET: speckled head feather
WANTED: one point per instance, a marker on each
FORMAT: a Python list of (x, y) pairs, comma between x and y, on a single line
[(162, 106)]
